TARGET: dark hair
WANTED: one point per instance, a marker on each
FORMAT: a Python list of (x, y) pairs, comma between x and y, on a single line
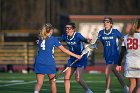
[(72, 24), (109, 19)]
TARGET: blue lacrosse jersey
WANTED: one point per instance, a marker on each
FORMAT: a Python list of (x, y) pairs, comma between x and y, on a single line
[(45, 53), (110, 44), (44, 61), (76, 45)]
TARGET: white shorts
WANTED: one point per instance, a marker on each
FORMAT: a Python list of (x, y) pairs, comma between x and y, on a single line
[(132, 70), (133, 73)]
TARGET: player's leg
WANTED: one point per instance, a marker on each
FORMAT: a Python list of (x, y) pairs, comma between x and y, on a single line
[(132, 84), (52, 83), (120, 78), (40, 79), (78, 78), (138, 85), (67, 78), (107, 76), (118, 75)]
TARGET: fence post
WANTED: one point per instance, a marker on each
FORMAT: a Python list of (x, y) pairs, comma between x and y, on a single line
[(26, 53), (26, 57)]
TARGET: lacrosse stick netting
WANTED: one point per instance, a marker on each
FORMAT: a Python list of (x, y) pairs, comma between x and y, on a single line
[(94, 36)]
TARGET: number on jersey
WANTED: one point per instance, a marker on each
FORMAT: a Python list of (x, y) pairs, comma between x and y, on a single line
[(107, 43), (132, 43), (43, 45)]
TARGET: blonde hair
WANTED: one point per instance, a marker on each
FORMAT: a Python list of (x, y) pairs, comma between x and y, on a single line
[(135, 26), (45, 30)]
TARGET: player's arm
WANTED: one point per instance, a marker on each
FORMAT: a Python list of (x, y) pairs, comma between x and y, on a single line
[(122, 53), (62, 37), (68, 52), (83, 39)]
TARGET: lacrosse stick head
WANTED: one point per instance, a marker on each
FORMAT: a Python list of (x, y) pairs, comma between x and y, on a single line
[(89, 47), (94, 37), (86, 50)]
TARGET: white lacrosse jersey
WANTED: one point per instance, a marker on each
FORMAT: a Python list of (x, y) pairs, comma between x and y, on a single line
[(132, 45)]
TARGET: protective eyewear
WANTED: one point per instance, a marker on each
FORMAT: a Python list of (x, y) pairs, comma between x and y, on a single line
[(68, 28), (106, 22)]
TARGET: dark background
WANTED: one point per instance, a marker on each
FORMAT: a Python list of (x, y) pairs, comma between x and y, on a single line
[(31, 14)]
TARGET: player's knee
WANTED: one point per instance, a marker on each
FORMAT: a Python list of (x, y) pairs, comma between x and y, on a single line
[(52, 80), (78, 80), (65, 80), (107, 73), (39, 83)]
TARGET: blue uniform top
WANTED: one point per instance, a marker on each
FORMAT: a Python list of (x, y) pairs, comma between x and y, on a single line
[(76, 45), (110, 44), (46, 51)]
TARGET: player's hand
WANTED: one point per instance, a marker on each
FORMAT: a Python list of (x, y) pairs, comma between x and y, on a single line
[(37, 41), (89, 40), (78, 56), (118, 68)]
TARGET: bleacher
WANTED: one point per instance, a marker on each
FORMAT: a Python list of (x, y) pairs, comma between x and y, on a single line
[(22, 54), (18, 50)]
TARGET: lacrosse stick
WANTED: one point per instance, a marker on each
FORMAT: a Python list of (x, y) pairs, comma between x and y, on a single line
[(92, 44), (85, 51)]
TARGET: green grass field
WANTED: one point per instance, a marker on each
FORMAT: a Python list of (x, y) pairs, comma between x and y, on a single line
[(24, 83)]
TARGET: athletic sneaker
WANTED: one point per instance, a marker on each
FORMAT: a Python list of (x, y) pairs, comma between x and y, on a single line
[(107, 91), (126, 89), (89, 91)]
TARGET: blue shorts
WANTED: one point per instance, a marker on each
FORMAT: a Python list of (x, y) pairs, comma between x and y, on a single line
[(113, 59), (44, 69), (80, 63)]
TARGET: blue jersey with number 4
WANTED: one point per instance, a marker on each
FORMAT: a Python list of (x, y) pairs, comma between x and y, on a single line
[(110, 44), (46, 51)]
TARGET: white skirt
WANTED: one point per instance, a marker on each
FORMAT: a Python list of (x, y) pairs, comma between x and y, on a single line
[(131, 72)]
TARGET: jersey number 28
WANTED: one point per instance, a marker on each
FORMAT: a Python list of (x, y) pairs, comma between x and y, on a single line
[(132, 43)]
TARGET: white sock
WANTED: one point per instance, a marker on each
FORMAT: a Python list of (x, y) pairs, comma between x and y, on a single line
[(36, 92)]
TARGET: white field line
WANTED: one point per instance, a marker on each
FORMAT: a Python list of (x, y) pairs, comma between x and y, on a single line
[(17, 81), (22, 82), (62, 81)]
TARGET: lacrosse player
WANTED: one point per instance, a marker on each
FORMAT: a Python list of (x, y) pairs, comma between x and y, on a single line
[(131, 47), (108, 37), (44, 61), (75, 42)]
